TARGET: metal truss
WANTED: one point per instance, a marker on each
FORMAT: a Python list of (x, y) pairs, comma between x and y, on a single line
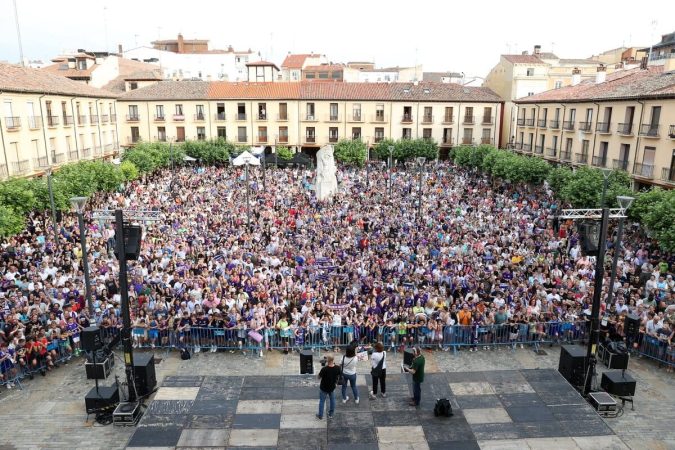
[(141, 215), (593, 214)]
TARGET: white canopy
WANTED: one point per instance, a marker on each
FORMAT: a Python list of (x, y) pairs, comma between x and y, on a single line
[(259, 150), (246, 158), (189, 158)]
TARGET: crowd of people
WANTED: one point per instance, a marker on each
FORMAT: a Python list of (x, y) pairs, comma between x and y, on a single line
[(478, 261)]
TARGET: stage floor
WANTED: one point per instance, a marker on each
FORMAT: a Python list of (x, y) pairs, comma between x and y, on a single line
[(525, 407)]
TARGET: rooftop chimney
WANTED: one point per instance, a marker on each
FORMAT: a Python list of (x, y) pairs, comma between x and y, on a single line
[(576, 76), (119, 49), (537, 50), (524, 52), (181, 43), (601, 74)]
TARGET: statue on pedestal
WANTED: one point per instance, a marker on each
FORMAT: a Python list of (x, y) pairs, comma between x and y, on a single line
[(326, 180)]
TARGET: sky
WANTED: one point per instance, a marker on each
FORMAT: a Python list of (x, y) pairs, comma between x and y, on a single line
[(441, 35)]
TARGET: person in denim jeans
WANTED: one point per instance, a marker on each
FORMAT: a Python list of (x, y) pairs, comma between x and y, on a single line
[(328, 376), (348, 366)]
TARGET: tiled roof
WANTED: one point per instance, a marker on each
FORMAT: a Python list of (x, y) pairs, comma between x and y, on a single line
[(628, 84), (548, 55), (15, 78), (523, 59), (130, 69), (63, 70), (223, 90), (325, 67), (262, 63), (578, 61), (296, 61)]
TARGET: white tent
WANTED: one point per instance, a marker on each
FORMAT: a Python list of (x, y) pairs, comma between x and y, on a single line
[(246, 158), (189, 158)]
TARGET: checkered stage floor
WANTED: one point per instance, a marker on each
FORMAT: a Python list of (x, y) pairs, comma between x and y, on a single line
[(278, 412)]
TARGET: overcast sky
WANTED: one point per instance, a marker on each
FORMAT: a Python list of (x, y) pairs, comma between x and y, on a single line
[(441, 35)]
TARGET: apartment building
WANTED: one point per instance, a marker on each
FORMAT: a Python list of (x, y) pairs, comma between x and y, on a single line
[(48, 120), (294, 64), (624, 121), (306, 115)]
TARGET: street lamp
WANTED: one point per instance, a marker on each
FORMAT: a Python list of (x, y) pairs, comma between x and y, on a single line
[(605, 173), (420, 164), (78, 204), (53, 207), (624, 203), (246, 159), (391, 163)]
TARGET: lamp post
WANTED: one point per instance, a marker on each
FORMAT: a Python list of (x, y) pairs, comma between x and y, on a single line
[(420, 164), (624, 203), (246, 160), (605, 173), (78, 204), (53, 207), (391, 163)]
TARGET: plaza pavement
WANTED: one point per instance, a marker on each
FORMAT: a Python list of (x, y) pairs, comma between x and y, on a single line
[(49, 412)]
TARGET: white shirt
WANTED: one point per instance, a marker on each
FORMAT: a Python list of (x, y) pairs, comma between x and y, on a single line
[(376, 357)]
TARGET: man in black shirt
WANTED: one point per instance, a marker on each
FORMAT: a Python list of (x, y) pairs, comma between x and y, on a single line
[(328, 376)]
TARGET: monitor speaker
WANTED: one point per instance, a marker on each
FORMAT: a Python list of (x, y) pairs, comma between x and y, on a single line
[(306, 362), (132, 242), (619, 383), (631, 327), (408, 356), (144, 374), (91, 339), (101, 398), (572, 364)]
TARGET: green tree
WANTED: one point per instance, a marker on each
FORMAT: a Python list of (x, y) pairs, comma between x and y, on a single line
[(351, 151), (129, 170), (284, 153), (645, 202), (381, 149), (17, 195), (659, 221), (11, 221), (558, 177)]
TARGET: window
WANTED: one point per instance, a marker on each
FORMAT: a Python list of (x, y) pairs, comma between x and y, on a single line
[(406, 133), (199, 113), (241, 134), (558, 84), (283, 134), (529, 94), (309, 108), (220, 111), (486, 136), (133, 85), (133, 112), (356, 133), (159, 112), (310, 134), (447, 136), (379, 134), (426, 133), (179, 110), (568, 145), (356, 111), (554, 143), (467, 138), (135, 134), (82, 64), (221, 133), (407, 114), (447, 118), (468, 115), (201, 133), (332, 134), (161, 134), (584, 146), (336, 75), (530, 71), (262, 134), (428, 114), (323, 75), (283, 111), (262, 111), (379, 112), (487, 115), (310, 75), (333, 112), (241, 111)]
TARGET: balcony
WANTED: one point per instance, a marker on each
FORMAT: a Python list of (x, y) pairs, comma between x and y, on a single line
[(282, 117), (671, 132), (81, 120), (261, 117), (67, 120), (355, 118), (135, 118), (487, 120), (447, 142), (59, 157), (21, 167), (72, 155), (219, 117), (467, 141), (98, 150), (178, 118), (4, 173), (448, 120), (668, 174), (310, 139), (599, 161), (333, 138), (551, 152), (585, 127), (566, 155), (160, 118), (554, 124), (521, 122), (12, 123), (333, 118), (86, 152), (568, 125), (309, 118), (529, 122), (602, 128), (52, 121), (538, 149), (427, 119), (34, 122), (378, 138), (113, 118), (527, 147), (649, 130), (378, 118), (261, 138), (643, 170), (282, 139), (407, 118), (41, 162), (581, 158), (620, 164), (105, 118), (469, 120), (541, 123), (518, 146), (110, 148), (199, 117), (161, 138), (625, 129), (134, 139), (93, 119), (486, 141), (242, 138)]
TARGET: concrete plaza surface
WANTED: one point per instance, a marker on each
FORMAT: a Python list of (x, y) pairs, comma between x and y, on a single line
[(49, 412)]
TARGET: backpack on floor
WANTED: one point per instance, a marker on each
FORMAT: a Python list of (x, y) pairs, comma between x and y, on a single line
[(443, 408), (184, 354)]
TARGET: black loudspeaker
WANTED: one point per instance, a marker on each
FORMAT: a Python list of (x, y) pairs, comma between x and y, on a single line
[(588, 246), (631, 327), (59, 216), (91, 338), (132, 242), (619, 383), (306, 362), (105, 397), (99, 370), (408, 356), (572, 364), (144, 374), (614, 355)]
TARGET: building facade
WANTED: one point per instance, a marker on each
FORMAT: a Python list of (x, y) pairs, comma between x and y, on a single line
[(306, 115), (623, 121), (49, 120)]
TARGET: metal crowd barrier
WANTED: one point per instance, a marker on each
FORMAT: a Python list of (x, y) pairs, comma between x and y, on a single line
[(60, 350), (656, 349)]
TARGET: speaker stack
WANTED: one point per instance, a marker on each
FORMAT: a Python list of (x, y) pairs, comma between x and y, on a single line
[(631, 327), (306, 362), (91, 339), (572, 364), (618, 383), (144, 374)]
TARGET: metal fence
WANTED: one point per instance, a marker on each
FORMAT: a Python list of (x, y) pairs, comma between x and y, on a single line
[(656, 349)]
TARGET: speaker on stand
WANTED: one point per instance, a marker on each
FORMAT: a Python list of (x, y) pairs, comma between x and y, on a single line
[(306, 362), (631, 328)]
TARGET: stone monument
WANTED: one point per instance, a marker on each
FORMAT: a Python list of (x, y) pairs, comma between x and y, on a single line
[(326, 180)]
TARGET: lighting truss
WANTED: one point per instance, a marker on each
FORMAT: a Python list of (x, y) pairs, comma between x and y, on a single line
[(592, 214), (140, 215)]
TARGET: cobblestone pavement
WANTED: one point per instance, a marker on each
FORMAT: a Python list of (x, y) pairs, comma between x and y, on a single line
[(49, 412)]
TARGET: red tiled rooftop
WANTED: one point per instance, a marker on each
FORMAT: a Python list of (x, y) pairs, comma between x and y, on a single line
[(296, 61), (14, 78)]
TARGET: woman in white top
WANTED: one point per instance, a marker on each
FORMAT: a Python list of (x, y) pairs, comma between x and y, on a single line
[(348, 365), (378, 361)]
